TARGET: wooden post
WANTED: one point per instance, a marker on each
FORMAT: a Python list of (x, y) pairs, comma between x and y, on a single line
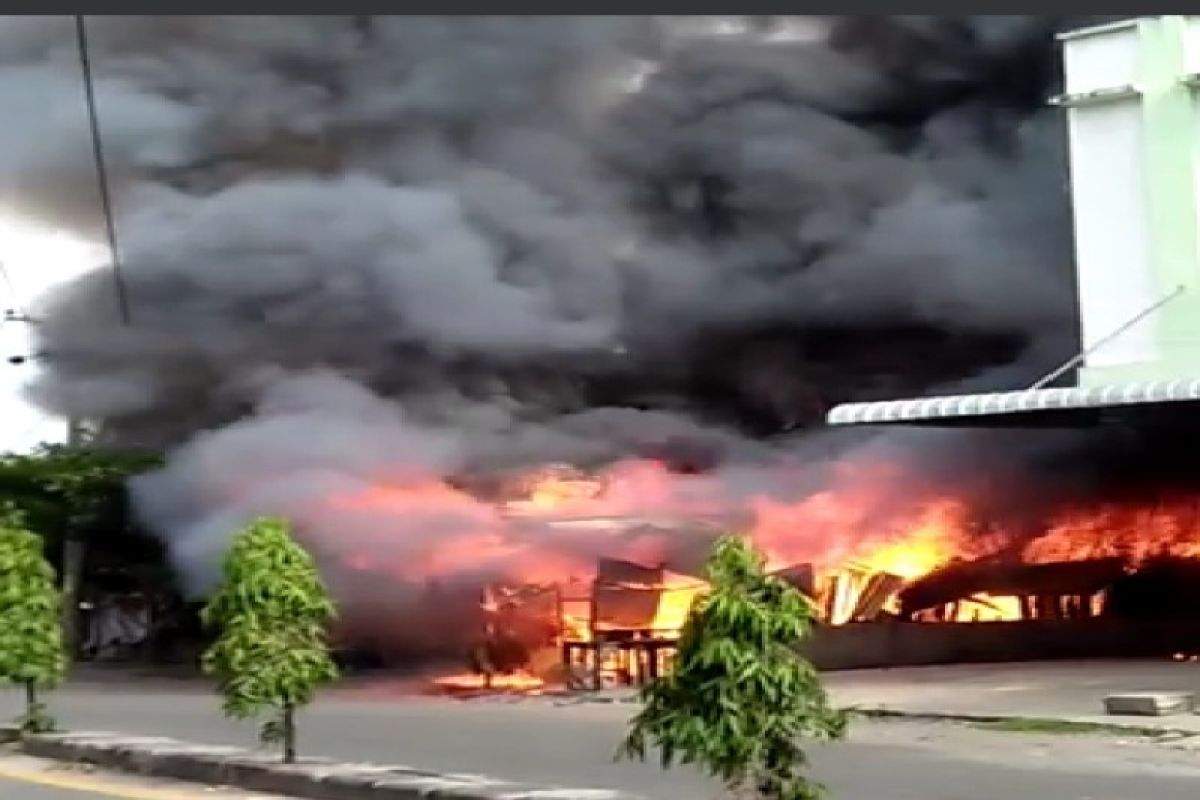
[(597, 683), (560, 615), (1027, 607)]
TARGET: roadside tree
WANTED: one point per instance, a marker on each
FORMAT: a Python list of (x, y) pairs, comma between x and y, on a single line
[(740, 699), (31, 645), (271, 611)]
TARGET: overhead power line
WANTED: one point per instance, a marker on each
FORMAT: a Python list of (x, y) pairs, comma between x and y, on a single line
[(18, 307), (110, 227)]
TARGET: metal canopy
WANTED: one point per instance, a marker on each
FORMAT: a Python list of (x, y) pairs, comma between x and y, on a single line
[(959, 409)]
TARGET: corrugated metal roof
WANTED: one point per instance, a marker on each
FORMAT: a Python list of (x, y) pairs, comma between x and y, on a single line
[(1025, 401)]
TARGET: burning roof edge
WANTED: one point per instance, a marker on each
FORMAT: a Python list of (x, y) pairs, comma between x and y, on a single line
[(1031, 403)]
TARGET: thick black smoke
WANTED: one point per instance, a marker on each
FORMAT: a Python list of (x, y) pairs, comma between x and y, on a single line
[(363, 248)]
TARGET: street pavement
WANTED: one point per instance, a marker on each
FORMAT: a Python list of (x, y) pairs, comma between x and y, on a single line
[(1069, 690), (548, 742)]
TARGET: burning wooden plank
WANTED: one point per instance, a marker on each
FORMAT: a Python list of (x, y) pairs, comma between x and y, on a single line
[(627, 573), (624, 595), (630, 597), (624, 607), (842, 592), (802, 577), (967, 580), (880, 588), (827, 596)]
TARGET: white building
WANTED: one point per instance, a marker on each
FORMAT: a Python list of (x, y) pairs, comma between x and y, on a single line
[(1134, 135)]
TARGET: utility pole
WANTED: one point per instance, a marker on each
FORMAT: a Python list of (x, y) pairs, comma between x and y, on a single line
[(74, 546), (76, 432), (74, 551)]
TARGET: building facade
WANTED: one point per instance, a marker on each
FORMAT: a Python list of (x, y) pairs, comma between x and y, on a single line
[(1133, 125)]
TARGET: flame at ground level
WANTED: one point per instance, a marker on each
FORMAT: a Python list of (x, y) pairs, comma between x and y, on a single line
[(551, 526), (515, 682)]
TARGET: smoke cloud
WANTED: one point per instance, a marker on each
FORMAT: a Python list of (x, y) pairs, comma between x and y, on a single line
[(363, 250)]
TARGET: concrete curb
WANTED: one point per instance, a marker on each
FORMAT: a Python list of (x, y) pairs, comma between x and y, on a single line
[(314, 779)]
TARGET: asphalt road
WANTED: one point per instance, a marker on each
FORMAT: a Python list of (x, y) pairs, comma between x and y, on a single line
[(539, 742)]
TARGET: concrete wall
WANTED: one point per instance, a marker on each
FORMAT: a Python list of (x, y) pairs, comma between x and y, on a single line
[(897, 644)]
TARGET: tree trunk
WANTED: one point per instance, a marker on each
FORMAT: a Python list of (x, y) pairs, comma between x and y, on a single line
[(35, 719), (289, 734), (746, 789)]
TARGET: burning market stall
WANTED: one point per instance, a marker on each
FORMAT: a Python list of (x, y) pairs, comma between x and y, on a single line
[(633, 618), (620, 628)]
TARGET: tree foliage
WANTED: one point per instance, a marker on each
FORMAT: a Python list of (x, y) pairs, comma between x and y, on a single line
[(77, 491), (31, 645), (271, 610), (740, 699)]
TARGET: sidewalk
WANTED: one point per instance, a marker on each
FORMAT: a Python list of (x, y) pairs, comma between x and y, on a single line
[(1066, 690), (1073, 691)]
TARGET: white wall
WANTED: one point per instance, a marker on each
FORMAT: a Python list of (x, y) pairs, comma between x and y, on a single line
[(1114, 260)]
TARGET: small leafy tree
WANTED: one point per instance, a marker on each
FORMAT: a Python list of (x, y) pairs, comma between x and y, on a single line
[(272, 610), (31, 645), (740, 698)]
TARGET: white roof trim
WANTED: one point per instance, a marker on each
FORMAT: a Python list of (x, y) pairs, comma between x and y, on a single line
[(975, 405)]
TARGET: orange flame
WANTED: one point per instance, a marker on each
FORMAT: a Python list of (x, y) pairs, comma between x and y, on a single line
[(516, 682), (868, 518), (675, 601)]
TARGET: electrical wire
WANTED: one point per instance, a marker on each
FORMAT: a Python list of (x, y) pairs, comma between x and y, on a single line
[(1082, 355), (17, 306), (89, 93)]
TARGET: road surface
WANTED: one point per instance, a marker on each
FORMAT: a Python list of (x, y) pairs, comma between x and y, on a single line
[(855, 771), (1061, 689), (542, 742)]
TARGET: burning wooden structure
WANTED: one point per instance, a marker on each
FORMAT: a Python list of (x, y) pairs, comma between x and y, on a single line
[(630, 627), (979, 590), (622, 628)]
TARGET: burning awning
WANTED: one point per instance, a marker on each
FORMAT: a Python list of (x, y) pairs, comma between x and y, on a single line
[(1029, 405)]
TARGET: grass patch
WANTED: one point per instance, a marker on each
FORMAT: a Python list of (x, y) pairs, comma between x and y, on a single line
[(1056, 726), (1031, 725)]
